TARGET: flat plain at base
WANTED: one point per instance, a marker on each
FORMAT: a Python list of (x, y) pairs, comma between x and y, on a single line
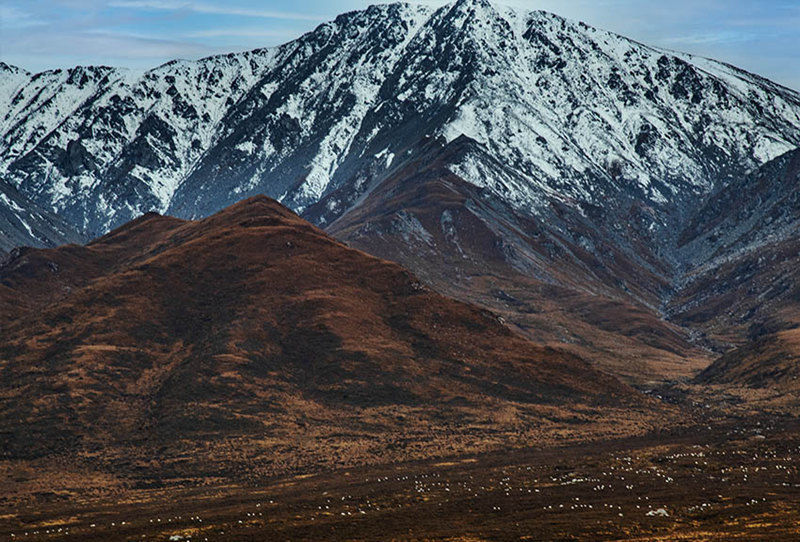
[(729, 481)]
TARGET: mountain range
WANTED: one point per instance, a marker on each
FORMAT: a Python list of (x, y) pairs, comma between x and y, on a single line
[(462, 273), (589, 188)]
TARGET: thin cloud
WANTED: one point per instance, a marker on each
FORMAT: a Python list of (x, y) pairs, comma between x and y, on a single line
[(167, 5), (13, 17), (242, 33), (711, 38), (117, 45), (791, 21)]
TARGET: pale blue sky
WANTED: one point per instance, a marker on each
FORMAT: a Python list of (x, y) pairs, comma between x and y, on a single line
[(762, 36)]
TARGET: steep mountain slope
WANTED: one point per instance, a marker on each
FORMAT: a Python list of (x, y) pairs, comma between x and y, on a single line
[(770, 362), (102, 146), (743, 249), (542, 273), (745, 291), (751, 211), (23, 223), (253, 342)]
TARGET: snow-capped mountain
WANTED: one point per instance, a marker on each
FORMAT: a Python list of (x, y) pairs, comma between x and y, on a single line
[(101, 145), (23, 223), (574, 114)]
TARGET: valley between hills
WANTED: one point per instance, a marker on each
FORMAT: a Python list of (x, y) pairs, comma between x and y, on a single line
[(248, 377)]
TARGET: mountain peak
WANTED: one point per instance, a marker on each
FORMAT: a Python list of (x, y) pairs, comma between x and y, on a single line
[(259, 200), (473, 4), (258, 205), (256, 211)]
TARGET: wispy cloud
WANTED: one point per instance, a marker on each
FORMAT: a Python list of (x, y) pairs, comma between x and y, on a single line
[(13, 17), (212, 9), (721, 37), (241, 32), (113, 44)]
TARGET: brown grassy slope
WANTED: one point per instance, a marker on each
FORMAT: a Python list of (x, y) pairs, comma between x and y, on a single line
[(192, 349), (772, 361), (749, 305), (36, 278), (455, 238)]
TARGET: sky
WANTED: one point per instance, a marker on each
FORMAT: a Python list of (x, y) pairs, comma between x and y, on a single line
[(762, 36)]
